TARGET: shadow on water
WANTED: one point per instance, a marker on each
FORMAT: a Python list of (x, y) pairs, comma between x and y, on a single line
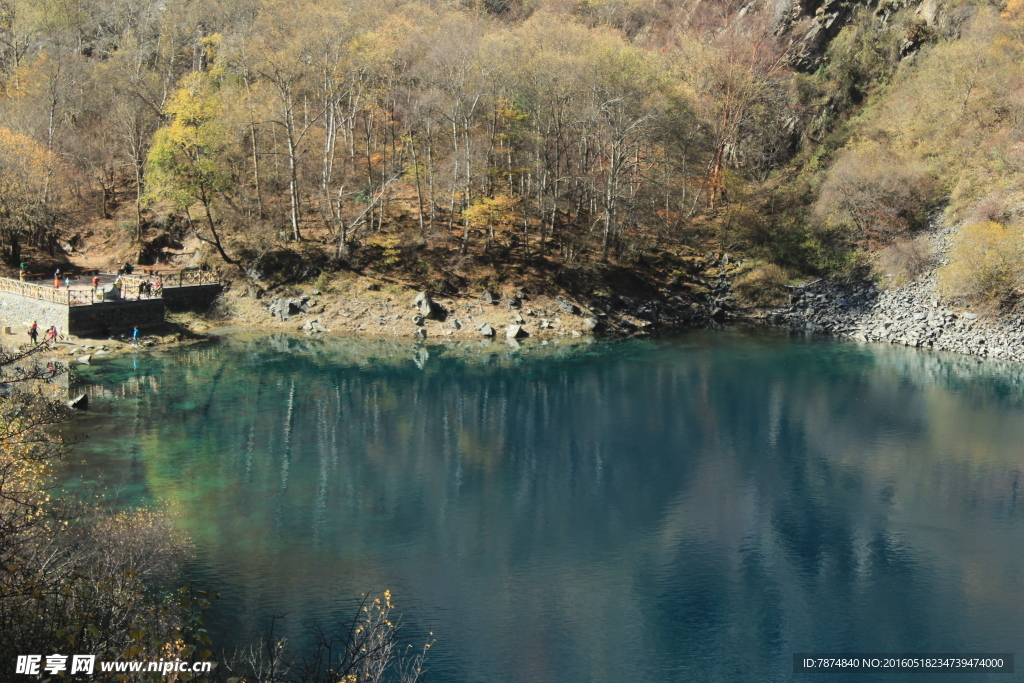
[(695, 508)]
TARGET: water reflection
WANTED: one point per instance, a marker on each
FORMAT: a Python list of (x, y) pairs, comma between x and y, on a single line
[(694, 509)]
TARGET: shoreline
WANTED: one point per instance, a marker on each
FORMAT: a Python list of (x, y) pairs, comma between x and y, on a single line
[(911, 315)]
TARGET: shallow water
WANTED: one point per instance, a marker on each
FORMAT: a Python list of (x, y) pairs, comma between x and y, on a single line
[(689, 509)]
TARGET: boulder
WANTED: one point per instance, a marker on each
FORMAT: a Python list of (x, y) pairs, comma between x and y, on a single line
[(486, 330), (516, 332), (490, 297), (566, 306), (84, 360), (80, 402), (591, 324), (420, 333), (284, 309), (435, 311)]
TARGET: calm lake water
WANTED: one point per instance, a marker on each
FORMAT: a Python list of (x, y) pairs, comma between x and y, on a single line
[(691, 509)]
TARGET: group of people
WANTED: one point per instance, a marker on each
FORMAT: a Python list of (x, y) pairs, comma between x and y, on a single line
[(57, 280), (150, 288), (147, 288), (33, 333)]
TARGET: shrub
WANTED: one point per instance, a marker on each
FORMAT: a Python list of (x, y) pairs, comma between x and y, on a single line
[(764, 286), (985, 265), (905, 260), (875, 195)]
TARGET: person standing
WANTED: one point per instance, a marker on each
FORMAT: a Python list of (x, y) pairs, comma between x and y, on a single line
[(135, 334), (95, 284), (51, 335), (56, 283), (33, 331)]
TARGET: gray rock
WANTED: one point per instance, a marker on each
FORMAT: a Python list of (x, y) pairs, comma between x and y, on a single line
[(566, 306), (420, 333), (435, 312), (456, 324), (80, 402), (418, 320), (486, 330), (84, 360), (490, 297), (420, 299), (515, 332), (591, 324)]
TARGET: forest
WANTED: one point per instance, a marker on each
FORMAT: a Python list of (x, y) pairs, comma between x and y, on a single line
[(432, 138)]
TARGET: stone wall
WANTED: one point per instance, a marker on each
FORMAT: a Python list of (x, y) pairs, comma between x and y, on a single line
[(105, 318), (115, 317), (195, 298), (18, 312)]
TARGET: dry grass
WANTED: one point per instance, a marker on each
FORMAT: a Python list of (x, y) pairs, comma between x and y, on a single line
[(905, 260), (985, 265), (764, 286)]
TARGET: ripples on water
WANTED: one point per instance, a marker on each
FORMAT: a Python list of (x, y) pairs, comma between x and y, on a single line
[(677, 510)]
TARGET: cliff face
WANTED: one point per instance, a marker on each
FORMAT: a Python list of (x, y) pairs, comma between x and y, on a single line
[(811, 26)]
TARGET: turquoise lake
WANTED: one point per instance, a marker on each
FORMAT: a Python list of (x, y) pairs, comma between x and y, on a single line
[(697, 508)]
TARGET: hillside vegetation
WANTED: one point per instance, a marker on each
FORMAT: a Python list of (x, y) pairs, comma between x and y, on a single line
[(456, 144)]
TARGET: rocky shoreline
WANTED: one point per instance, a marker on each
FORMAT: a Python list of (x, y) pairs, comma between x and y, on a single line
[(911, 315)]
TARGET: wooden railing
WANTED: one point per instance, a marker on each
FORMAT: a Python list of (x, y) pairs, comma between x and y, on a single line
[(130, 287), (84, 297), (34, 291), (183, 278)]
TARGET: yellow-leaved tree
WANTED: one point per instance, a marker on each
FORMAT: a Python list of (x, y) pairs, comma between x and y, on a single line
[(187, 161), (30, 198)]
